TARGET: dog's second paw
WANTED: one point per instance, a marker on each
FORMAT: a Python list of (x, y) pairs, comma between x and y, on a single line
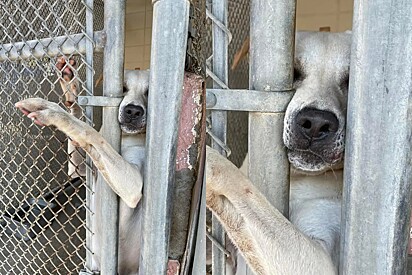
[(68, 80), (66, 68), (42, 112)]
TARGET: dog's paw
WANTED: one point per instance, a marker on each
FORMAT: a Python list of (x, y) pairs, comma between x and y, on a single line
[(66, 67), (68, 79), (42, 112)]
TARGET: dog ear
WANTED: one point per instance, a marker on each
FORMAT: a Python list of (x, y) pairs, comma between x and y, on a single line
[(244, 50)]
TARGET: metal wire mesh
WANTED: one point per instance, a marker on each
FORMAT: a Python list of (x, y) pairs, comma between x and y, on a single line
[(238, 24), (42, 210), (237, 122)]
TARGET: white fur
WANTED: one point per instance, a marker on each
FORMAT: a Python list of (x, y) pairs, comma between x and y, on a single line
[(309, 243)]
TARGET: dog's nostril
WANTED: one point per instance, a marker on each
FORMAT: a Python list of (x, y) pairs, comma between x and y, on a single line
[(307, 124), (324, 128), (134, 111)]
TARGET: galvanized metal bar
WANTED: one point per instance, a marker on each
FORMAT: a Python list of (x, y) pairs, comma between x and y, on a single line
[(89, 114), (99, 101), (169, 39), (199, 261), (247, 100), (52, 47), (377, 179), (114, 25), (219, 118), (272, 33)]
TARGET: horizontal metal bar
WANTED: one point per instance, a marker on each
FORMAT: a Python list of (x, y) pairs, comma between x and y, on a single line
[(51, 47), (100, 101), (248, 100)]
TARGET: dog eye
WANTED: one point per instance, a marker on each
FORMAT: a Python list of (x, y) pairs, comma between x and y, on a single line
[(146, 93), (125, 90)]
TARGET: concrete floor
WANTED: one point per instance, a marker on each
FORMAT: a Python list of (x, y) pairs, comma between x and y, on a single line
[(57, 249)]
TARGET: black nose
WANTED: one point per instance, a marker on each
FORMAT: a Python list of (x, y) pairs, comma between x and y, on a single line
[(316, 124), (133, 111)]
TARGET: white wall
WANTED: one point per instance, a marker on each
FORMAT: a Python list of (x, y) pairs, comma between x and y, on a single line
[(311, 15), (138, 34)]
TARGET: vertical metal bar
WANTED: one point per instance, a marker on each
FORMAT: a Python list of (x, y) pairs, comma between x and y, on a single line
[(199, 266), (89, 115), (377, 179), (272, 33), (114, 21), (170, 28), (219, 118)]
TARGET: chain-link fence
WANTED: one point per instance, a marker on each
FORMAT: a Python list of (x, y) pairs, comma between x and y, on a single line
[(237, 31), (43, 210), (237, 122)]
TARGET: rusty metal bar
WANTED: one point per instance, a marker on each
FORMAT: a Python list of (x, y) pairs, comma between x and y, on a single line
[(169, 40)]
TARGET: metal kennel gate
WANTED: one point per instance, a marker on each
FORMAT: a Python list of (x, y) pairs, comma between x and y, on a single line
[(377, 246), (43, 210), (46, 220)]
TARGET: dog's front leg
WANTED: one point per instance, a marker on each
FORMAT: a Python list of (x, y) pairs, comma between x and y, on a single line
[(111, 165), (267, 240)]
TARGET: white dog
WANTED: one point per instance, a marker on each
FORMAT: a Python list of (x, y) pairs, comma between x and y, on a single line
[(115, 168), (314, 133)]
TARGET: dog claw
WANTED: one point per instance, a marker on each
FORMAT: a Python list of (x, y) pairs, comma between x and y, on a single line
[(24, 111)]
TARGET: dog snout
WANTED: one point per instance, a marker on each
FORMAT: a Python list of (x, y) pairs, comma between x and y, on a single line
[(316, 125), (133, 112)]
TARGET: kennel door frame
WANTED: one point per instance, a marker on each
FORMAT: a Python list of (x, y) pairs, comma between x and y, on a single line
[(271, 49)]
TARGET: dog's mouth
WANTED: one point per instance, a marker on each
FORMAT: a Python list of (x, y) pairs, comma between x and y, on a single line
[(133, 128), (309, 162)]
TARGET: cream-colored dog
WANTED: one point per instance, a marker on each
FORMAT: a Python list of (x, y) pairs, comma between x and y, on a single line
[(314, 132), (123, 172)]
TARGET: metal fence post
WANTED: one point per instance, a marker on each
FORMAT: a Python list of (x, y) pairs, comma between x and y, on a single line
[(377, 179), (272, 35), (89, 114), (114, 21), (219, 118), (170, 28)]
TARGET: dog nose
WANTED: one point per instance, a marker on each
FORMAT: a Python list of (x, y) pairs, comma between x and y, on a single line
[(133, 111), (316, 124)]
